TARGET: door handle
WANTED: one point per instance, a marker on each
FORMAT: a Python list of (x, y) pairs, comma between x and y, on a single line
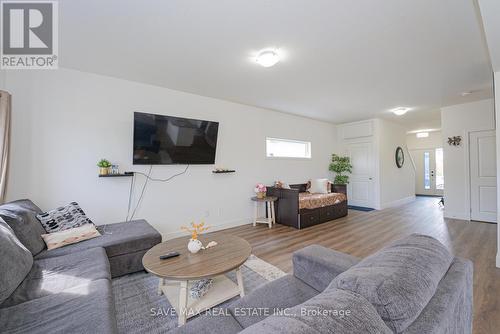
[(370, 178)]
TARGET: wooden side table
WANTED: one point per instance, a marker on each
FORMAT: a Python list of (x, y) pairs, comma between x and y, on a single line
[(269, 201)]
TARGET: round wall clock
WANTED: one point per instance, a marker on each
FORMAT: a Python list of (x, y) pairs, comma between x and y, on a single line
[(400, 157)]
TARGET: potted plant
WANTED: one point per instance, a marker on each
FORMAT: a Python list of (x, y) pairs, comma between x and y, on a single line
[(260, 190), (340, 166), (104, 166)]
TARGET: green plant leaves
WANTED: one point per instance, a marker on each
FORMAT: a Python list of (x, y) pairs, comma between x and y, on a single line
[(339, 166)]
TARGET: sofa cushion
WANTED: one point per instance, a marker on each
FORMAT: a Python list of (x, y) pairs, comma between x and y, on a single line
[(400, 279), (53, 275), (282, 293), (317, 266), (21, 217), (117, 239), (450, 309), (15, 261), (87, 308), (210, 324), (332, 311)]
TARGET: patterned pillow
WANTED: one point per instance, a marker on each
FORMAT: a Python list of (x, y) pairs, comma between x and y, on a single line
[(63, 218), (70, 236)]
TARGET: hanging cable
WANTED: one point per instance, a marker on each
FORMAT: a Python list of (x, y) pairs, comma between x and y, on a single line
[(148, 178)]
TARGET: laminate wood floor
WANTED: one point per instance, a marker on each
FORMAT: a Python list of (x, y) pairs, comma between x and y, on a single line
[(362, 233)]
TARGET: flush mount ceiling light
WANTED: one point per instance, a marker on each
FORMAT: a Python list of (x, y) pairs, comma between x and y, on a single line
[(400, 111), (422, 134), (267, 58)]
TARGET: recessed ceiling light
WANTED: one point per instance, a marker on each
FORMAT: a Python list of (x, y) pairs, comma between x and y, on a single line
[(466, 93), (400, 111), (267, 58), (422, 134)]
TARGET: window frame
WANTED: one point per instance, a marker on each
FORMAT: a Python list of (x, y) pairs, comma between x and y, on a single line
[(308, 143)]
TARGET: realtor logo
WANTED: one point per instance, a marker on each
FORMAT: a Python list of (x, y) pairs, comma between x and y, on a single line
[(29, 38)]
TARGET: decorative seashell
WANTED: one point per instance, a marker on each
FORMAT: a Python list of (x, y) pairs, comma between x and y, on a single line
[(211, 244)]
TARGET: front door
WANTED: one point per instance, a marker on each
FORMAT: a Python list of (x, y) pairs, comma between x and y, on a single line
[(361, 187), (429, 178), (483, 176)]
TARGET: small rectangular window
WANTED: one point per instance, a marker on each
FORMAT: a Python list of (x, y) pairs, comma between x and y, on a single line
[(287, 148)]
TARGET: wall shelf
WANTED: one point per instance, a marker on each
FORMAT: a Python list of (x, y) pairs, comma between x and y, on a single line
[(223, 171), (118, 175)]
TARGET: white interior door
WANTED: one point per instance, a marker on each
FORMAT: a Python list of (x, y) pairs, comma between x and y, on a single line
[(361, 187), (483, 176), (429, 178)]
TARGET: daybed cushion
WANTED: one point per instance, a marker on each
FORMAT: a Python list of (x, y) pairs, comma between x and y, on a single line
[(282, 293), (210, 324), (21, 217), (313, 201), (53, 275), (117, 239), (325, 313), (15, 261), (400, 279), (87, 308)]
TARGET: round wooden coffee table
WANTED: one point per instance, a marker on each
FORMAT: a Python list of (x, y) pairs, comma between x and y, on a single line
[(176, 273)]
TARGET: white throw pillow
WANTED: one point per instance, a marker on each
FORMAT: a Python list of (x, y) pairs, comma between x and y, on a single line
[(319, 186), (70, 236)]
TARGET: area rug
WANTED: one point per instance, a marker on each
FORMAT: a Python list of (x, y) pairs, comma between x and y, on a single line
[(139, 308)]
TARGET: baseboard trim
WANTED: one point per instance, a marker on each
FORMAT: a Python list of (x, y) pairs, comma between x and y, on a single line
[(456, 215), (398, 202), (213, 228)]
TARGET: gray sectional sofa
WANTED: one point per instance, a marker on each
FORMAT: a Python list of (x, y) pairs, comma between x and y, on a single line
[(413, 286), (65, 290)]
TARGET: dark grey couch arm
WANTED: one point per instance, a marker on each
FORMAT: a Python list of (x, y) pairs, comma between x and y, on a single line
[(317, 266)]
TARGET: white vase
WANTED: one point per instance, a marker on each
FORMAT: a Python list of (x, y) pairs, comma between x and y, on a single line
[(194, 245)]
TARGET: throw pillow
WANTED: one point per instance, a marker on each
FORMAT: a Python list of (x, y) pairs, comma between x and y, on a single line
[(281, 185), (71, 236), (15, 260), (21, 217), (319, 186), (63, 218)]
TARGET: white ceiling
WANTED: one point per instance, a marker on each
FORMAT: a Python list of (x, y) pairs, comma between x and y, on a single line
[(345, 60)]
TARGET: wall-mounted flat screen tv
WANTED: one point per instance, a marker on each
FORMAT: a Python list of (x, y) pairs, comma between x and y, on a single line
[(166, 140)]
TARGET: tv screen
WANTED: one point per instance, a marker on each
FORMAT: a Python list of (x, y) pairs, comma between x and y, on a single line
[(165, 140)]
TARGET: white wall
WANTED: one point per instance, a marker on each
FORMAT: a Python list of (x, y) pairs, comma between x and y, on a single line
[(460, 120), (397, 185), (435, 140), (64, 121), (392, 185)]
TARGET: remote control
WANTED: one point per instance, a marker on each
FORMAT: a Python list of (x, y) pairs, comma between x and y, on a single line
[(169, 255)]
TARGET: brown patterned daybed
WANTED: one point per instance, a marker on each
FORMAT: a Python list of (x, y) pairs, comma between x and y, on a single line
[(298, 208)]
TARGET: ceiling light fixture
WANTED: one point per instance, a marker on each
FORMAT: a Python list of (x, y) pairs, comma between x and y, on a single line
[(400, 111), (267, 58), (422, 134)]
